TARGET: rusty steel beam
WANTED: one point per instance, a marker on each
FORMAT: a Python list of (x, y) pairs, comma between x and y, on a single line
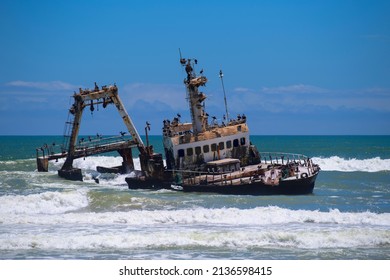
[(98, 149), (90, 98)]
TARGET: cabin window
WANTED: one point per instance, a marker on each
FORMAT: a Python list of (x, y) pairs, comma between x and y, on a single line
[(213, 147), (206, 148), (229, 144), (180, 153), (190, 151), (239, 128), (198, 150), (235, 143), (221, 146), (242, 140)]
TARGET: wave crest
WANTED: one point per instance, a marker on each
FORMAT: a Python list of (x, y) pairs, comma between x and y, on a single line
[(44, 203), (336, 163)]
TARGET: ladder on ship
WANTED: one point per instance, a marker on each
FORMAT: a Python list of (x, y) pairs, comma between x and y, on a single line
[(67, 131)]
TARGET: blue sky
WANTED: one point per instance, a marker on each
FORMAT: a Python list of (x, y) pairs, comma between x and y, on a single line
[(293, 67)]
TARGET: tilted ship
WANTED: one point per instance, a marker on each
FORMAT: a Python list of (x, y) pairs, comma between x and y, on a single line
[(204, 156), (201, 156)]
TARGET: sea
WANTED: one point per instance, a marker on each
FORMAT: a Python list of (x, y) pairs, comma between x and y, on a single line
[(43, 216)]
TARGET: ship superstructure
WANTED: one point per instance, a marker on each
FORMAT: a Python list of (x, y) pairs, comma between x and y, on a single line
[(190, 146)]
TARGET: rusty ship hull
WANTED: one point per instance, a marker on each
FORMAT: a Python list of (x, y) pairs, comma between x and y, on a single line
[(299, 186)]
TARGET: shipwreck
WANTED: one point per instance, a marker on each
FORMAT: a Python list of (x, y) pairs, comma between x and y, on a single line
[(201, 156)]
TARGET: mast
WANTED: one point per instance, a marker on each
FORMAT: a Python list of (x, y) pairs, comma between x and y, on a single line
[(195, 97), (224, 95)]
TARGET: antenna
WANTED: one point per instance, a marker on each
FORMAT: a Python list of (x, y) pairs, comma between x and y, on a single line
[(224, 95)]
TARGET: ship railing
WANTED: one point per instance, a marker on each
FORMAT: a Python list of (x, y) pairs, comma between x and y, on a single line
[(87, 142), (47, 150), (282, 158), (84, 143)]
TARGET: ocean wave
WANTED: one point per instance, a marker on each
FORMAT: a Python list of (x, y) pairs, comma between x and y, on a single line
[(259, 216), (204, 239), (230, 228), (336, 163), (43, 203), (90, 163), (242, 238)]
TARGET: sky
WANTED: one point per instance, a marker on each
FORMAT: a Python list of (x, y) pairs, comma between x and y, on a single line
[(293, 67)]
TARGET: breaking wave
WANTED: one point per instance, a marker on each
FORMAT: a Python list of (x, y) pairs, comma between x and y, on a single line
[(43, 203), (90, 163), (204, 228), (336, 163), (233, 239), (64, 203)]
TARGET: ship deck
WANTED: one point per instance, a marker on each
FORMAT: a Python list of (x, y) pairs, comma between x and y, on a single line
[(269, 174)]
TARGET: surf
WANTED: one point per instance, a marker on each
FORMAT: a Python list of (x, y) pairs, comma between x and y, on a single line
[(336, 163)]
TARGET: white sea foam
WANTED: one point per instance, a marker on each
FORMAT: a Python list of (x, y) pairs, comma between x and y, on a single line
[(90, 163), (200, 227), (218, 237), (259, 216), (336, 163), (42, 203)]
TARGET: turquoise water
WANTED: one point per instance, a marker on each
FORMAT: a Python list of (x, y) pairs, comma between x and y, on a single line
[(347, 217), (360, 147)]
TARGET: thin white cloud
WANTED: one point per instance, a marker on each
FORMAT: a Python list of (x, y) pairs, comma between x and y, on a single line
[(31, 99), (52, 85), (30, 95), (299, 88), (298, 97), (242, 89)]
